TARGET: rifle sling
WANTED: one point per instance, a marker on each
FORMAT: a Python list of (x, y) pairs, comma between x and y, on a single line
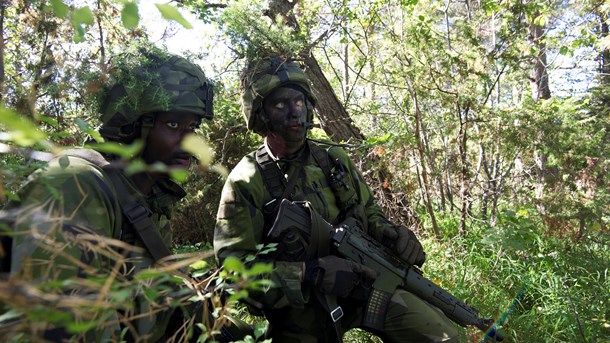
[(273, 179), (138, 215)]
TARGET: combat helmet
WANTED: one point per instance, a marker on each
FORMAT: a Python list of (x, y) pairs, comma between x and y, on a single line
[(148, 82), (260, 78)]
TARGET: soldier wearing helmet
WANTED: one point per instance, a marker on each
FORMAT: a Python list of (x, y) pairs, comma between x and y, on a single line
[(316, 296), (68, 210)]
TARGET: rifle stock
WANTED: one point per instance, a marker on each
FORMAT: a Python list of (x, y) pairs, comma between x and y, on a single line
[(354, 244)]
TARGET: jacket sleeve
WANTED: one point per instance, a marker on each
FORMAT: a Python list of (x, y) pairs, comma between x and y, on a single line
[(240, 229)]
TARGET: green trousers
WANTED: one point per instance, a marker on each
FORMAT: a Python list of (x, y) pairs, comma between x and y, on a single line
[(408, 319)]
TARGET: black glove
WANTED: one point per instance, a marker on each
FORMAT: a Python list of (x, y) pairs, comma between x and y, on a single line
[(405, 244), (335, 275)]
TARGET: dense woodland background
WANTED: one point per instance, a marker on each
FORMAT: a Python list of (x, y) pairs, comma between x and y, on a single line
[(484, 125)]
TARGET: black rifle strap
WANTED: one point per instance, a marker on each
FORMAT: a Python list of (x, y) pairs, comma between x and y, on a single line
[(321, 156), (274, 181), (138, 215)]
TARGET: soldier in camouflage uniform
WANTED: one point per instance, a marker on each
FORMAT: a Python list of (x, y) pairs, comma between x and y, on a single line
[(69, 207), (278, 104)]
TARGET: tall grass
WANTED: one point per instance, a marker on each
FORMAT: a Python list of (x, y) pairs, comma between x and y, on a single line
[(542, 288)]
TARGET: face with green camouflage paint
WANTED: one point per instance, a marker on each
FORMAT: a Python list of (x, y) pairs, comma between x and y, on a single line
[(287, 113)]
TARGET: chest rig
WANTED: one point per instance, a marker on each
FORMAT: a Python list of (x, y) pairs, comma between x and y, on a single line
[(336, 174), (296, 245)]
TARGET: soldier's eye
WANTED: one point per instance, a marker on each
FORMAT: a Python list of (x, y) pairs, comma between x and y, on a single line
[(172, 124), (280, 105)]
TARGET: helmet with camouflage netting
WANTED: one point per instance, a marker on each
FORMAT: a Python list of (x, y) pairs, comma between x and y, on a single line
[(147, 81), (260, 78)]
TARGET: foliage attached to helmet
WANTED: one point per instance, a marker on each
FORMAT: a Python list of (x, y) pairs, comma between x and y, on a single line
[(147, 81), (260, 78)]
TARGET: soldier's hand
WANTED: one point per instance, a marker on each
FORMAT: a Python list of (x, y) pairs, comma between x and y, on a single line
[(335, 275), (406, 245)]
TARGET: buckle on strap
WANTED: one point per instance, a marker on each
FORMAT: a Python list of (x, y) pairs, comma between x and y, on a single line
[(136, 213), (336, 314)]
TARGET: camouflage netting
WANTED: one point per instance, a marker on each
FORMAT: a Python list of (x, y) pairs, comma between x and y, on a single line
[(150, 80)]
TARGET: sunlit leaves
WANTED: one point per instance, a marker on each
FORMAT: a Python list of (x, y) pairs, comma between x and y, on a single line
[(124, 151), (81, 19), (198, 147), (171, 13), (130, 16), (83, 126), (21, 130), (252, 34), (59, 8)]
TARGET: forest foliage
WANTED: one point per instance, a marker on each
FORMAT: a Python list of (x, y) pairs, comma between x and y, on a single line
[(484, 125)]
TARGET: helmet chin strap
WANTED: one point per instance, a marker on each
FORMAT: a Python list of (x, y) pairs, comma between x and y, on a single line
[(147, 120)]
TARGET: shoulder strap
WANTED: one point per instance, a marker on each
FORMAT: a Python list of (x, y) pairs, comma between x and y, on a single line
[(272, 176), (322, 157), (273, 179), (138, 215)]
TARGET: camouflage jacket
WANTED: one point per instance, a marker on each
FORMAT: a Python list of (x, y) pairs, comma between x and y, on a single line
[(65, 214), (241, 225)]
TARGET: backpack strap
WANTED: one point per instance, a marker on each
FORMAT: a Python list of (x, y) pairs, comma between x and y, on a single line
[(135, 213), (274, 180), (138, 215), (322, 158)]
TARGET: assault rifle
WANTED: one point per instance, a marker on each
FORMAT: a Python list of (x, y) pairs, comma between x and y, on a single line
[(354, 244)]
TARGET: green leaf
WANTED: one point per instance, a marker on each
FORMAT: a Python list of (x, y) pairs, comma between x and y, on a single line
[(76, 327), (199, 265), (59, 8), (541, 20), (260, 268), (234, 264), (171, 13), (130, 16), (82, 15), (179, 175), (122, 150), (147, 274), (84, 127), (198, 147), (79, 34), (21, 130), (135, 167)]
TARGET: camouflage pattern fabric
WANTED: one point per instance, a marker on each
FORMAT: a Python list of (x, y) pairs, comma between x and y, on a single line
[(66, 215), (291, 307)]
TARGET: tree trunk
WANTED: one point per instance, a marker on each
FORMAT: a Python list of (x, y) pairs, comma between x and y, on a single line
[(3, 5), (539, 77), (464, 169), (334, 119), (424, 174), (539, 81), (605, 54)]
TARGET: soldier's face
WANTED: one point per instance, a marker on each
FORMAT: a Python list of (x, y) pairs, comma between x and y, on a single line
[(164, 138), (287, 112)]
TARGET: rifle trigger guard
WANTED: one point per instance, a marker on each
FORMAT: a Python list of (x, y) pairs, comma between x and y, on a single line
[(336, 314)]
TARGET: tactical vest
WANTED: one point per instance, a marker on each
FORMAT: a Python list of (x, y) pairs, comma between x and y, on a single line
[(294, 247), (336, 174)]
